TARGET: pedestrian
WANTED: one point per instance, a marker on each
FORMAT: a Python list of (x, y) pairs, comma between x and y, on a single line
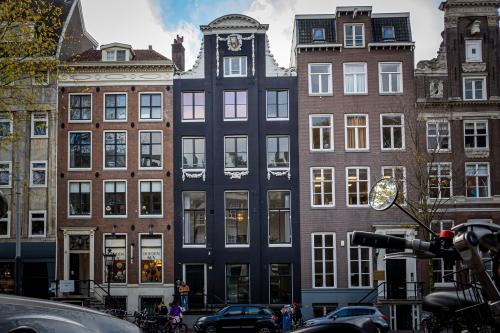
[(286, 319), (184, 292), (297, 315), (175, 314)]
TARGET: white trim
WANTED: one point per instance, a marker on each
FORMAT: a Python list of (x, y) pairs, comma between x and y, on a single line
[(354, 46), (104, 107), (8, 220), (11, 126), (142, 216), (329, 91), (475, 122), (194, 120), (476, 164), (69, 151), (126, 258), (140, 150), (359, 261), (9, 169), (226, 169), (356, 136), (355, 79), (184, 245), (331, 127), (69, 108), (271, 169), (478, 43), (277, 111), (402, 126), (139, 266), (323, 234), (474, 79), (139, 107), (439, 166), (323, 34), (311, 182), (79, 231), (400, 78), (235, 105), (438, 149), (240, 74), (247, 244), (184, 277), (204, 153), (68, 193), (38, 169), (30, 229), (357, 168), (269, 224), (42, 117), (393, 172), (104, 149), (104, 199)]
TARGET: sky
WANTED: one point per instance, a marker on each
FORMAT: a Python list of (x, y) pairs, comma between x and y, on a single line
[(141, 23)]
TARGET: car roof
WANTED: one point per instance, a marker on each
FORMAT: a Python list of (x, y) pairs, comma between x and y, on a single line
[(359, 307)]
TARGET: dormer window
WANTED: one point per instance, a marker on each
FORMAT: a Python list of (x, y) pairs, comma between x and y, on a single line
[(388, 32), (354, 35), (116, 55), (318, 34)]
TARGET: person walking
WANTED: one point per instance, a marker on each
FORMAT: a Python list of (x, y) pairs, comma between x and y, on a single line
[(184, 292), (286, 319)]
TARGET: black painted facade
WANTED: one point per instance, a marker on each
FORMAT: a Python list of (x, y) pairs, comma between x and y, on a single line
[(215, 255)]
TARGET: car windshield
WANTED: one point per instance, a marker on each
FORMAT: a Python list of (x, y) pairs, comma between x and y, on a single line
[(221, 311)]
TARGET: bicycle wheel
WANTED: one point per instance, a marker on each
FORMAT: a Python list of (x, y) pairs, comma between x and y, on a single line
[(180, 328)]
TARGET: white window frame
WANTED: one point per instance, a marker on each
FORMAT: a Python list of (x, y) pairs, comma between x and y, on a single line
[(38, 169), (438, 149), (90, 200), (439, 166), (8, 221), (354, 35), (248, 157), (442, 284), (9, 169), (139, 266), (269, 224), (313, 34), (104, 150), (475, 78), (44, 117), (31, 212), (475, 122), (382, 126), (289, 153), (184, 245), (355, 78), (149, 120), (469, 45), (235, 111), (11, 126), (323, 234), (359, 261), (226, 245), (357, 168), (287, 105), (329, 91), (322, 183), (69, 151), (205, 153), (476, 164), (104, 199), (194, 120), (346, 136), (142, 216), (399, 75), (69, 108), (140, 152), (393, 32), (104, 107), (393, 172), (311, 148), (240, 74), (126, 257)]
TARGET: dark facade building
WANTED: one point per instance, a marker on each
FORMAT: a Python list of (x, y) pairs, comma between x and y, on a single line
[(236, 166)]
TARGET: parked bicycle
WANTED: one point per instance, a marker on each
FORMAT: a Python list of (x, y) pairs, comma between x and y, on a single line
[(158, 323)]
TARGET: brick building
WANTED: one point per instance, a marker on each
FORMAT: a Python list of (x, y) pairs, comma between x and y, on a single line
[(114, 187)]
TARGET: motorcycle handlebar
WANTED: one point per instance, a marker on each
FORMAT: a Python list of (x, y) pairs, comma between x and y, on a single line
[(388, 242)]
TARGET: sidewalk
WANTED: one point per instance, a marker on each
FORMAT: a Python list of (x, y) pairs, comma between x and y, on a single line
[(189, 320)]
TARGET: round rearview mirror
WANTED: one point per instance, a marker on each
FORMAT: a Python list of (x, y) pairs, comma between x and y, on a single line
[(383, 194)]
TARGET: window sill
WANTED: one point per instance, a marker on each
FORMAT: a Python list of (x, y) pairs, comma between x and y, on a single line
[(277, 119), (39, 137), (355, 47), (187, 246), (114, 216), (76, 217), (358, 206), (150, 216), (37, 236), (236, 246), (327, 288), (348, 150), (193, 120), (364, 93), (389, 150), (439, 151), (150, 120), (4, 236), (80, 169), (320, 94), (323, 207), (115, 121), (80, 121), (38, 186), (235, 75), (151, 169), (115, 169), (321, 150), (396, 93), (280, 245), (236, 119), (5, 186)]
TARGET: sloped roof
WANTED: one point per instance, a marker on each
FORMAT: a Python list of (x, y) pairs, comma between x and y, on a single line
[(402, 29), (305, 28), (140, 55)]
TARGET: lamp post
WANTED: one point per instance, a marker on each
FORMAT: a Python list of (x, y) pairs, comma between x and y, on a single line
[(109, 259)]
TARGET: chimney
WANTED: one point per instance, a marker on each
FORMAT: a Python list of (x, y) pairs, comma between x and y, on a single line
[(178, 53)]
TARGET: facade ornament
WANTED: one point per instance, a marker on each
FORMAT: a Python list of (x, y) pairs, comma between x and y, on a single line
[(435, 65), (278, 173), (492, 20), (236, 174), (436, 89), (237, 38), (471, 67), (450, 22), (234, 42), (475, 27), (193, 174)]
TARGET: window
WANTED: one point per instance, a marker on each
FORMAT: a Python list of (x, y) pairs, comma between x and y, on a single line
[(474, 89), (115, 107), (398, 173), (40, 79), (473, 51), (37, 223), (116, 55), (321, 132), (193, 106), (390, 78), (236, 152), (476, 134), (440, 181), (354, 35), (79, 199), (320, 79), (39, 125), (151, 144), (355, 78), (151, 106), (278, 152), (151, 259), (237, 283), (120, 55), (358, 186), (115, 198), (322, 187), (235, 66), (318, 34), (80, 108), (280, 222), (388, 32), (151, 198), (237, 227), (360, 265), (235, 105), (5, 174), (277, 104), (5, 226), (477, 180), (6, 128), (438, 135), (193, 153), (80, 150), (117, 245), (115, 150), (323, 258), (392, 131), (442, 270), (356, 132), (38, 175), (194, 218), (280, 284)]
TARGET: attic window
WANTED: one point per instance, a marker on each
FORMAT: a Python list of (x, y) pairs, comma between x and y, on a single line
[(120, 55), (318, 34), (388, 32), (116, 55)]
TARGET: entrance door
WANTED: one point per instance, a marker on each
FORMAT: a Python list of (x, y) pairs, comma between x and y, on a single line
[(404, 317), (395, 276), (194, 276), (35, 280), (79, 265)]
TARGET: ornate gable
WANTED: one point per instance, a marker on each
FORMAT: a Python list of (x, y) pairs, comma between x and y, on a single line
[(234, 22)]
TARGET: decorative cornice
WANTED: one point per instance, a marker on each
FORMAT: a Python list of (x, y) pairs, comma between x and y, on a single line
[(434, 66), (278, 173), (272, 67), (198, 69), (234, 22), (392, 45), (473, 67), (236, 174), (193, 174)]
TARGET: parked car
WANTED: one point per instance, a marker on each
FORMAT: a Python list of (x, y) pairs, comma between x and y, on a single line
[(239, 318), (30, 315), (349, 313), (354, 325)]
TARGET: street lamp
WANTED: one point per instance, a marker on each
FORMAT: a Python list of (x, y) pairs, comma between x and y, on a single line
[(109, 259)]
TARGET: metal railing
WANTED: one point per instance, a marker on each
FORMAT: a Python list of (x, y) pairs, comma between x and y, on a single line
[(210, 301), (393, 291), (88, 289)]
